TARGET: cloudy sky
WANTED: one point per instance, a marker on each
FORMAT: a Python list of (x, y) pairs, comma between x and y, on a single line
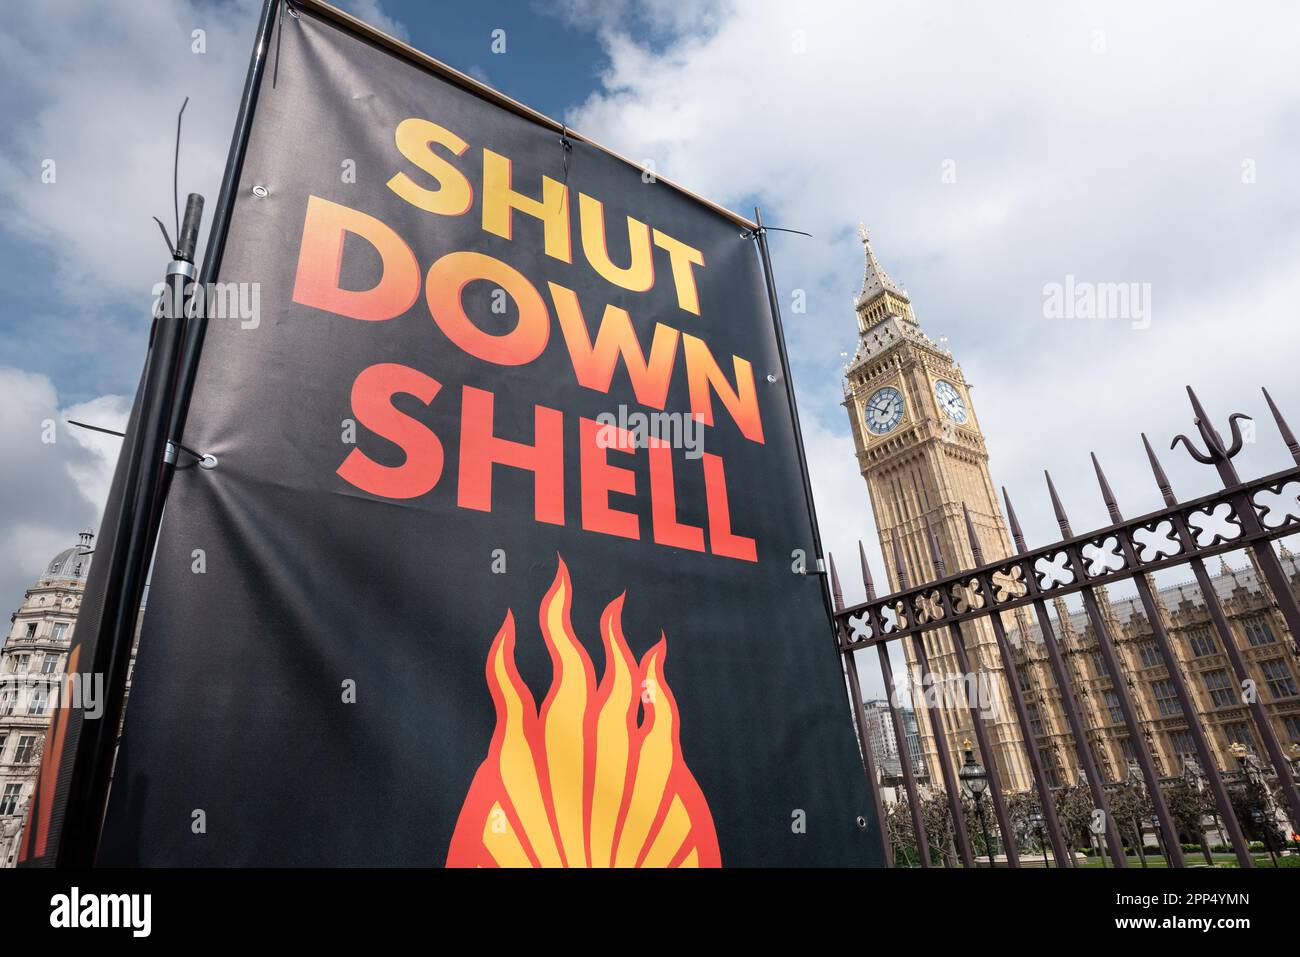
[(992, 149)]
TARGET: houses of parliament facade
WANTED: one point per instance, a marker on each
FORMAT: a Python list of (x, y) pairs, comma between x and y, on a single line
[(922, 452)]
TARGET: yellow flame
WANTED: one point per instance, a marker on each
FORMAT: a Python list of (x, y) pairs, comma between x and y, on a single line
[(581, 783)]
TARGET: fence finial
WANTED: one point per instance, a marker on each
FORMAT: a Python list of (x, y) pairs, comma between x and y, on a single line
[(939, 570), (837, 593), (976, 552), (1288, 436), (898, 566), (1057, 507), (1216, 453), (1162, 480), (1107, 493), (866, 573), (1017, 534)]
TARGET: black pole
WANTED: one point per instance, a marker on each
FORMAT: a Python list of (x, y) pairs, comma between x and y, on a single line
[(135, 509), (773, 301), (128, 558)]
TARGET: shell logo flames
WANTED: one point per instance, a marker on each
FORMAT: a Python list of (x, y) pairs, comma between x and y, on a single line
[(582, 784)]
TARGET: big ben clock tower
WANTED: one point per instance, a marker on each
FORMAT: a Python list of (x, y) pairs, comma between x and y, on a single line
[(920, 448)]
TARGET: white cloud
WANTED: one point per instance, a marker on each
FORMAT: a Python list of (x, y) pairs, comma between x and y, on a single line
[(95, 88), (94, 472), (1117, 166), (102, 86), (53, 489)]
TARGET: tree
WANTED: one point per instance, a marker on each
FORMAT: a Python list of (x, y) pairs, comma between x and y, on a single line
[(898, 825), (1074, 809), (1189, 806), (939, 828), (1131, 806)]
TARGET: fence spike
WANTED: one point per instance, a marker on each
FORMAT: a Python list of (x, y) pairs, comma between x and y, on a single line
[(1061, 518), (1017, 534), (939, 570), (866, 573), (1214, 446), (1162, 480), (1288, 436), (898, 567), (837, 593), (1197, 408), (976, 552), (1107, 493)]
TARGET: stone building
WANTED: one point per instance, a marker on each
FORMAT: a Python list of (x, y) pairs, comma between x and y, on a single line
[(1268, 649), (922, 453), (32, 659)]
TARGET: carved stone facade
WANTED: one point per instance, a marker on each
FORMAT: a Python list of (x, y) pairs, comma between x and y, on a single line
[(1268, 649), (33, 657), (33, 666)]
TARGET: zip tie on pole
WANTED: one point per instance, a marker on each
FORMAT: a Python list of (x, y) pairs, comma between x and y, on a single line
[(755, 233), (566, 145), (176, 196), (205, 459)]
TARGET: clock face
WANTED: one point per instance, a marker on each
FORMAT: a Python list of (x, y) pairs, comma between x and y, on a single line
[(883, 410), (950, 401)]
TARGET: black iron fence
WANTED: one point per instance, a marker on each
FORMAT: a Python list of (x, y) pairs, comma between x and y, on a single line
[(1243, 515)]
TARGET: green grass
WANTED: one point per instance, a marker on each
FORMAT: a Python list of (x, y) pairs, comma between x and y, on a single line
[(1191, 858)]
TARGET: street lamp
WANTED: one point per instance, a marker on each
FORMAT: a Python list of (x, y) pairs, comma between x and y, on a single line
[(1035, 819), (976, 781)]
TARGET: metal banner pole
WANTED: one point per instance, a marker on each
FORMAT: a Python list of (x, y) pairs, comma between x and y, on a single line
[(143, 458), (147, 461), (765, 258)]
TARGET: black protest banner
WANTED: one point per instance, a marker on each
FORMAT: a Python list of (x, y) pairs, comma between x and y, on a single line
[(500, 562)]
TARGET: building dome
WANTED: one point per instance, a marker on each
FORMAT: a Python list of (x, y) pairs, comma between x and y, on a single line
[(72, 563)]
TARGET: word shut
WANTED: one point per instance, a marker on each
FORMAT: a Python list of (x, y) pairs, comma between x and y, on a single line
[(444, 189)]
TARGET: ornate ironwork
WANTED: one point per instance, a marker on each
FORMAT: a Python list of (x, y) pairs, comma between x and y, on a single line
[(1243, 514), (1201, 528)]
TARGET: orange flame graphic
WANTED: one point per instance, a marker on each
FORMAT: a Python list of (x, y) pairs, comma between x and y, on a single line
[(581, 784)]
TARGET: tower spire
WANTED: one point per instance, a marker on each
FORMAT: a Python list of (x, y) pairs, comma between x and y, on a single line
[(875, 280)]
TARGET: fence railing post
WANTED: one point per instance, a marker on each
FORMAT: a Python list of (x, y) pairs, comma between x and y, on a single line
[(900, 732), (1045, 800), (1062, 677), (1161, 636), (936, 729)]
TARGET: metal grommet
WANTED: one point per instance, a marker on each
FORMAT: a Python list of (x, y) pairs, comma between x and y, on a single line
[(771, 377), (862, 822), (260, 191), (209, 461)]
